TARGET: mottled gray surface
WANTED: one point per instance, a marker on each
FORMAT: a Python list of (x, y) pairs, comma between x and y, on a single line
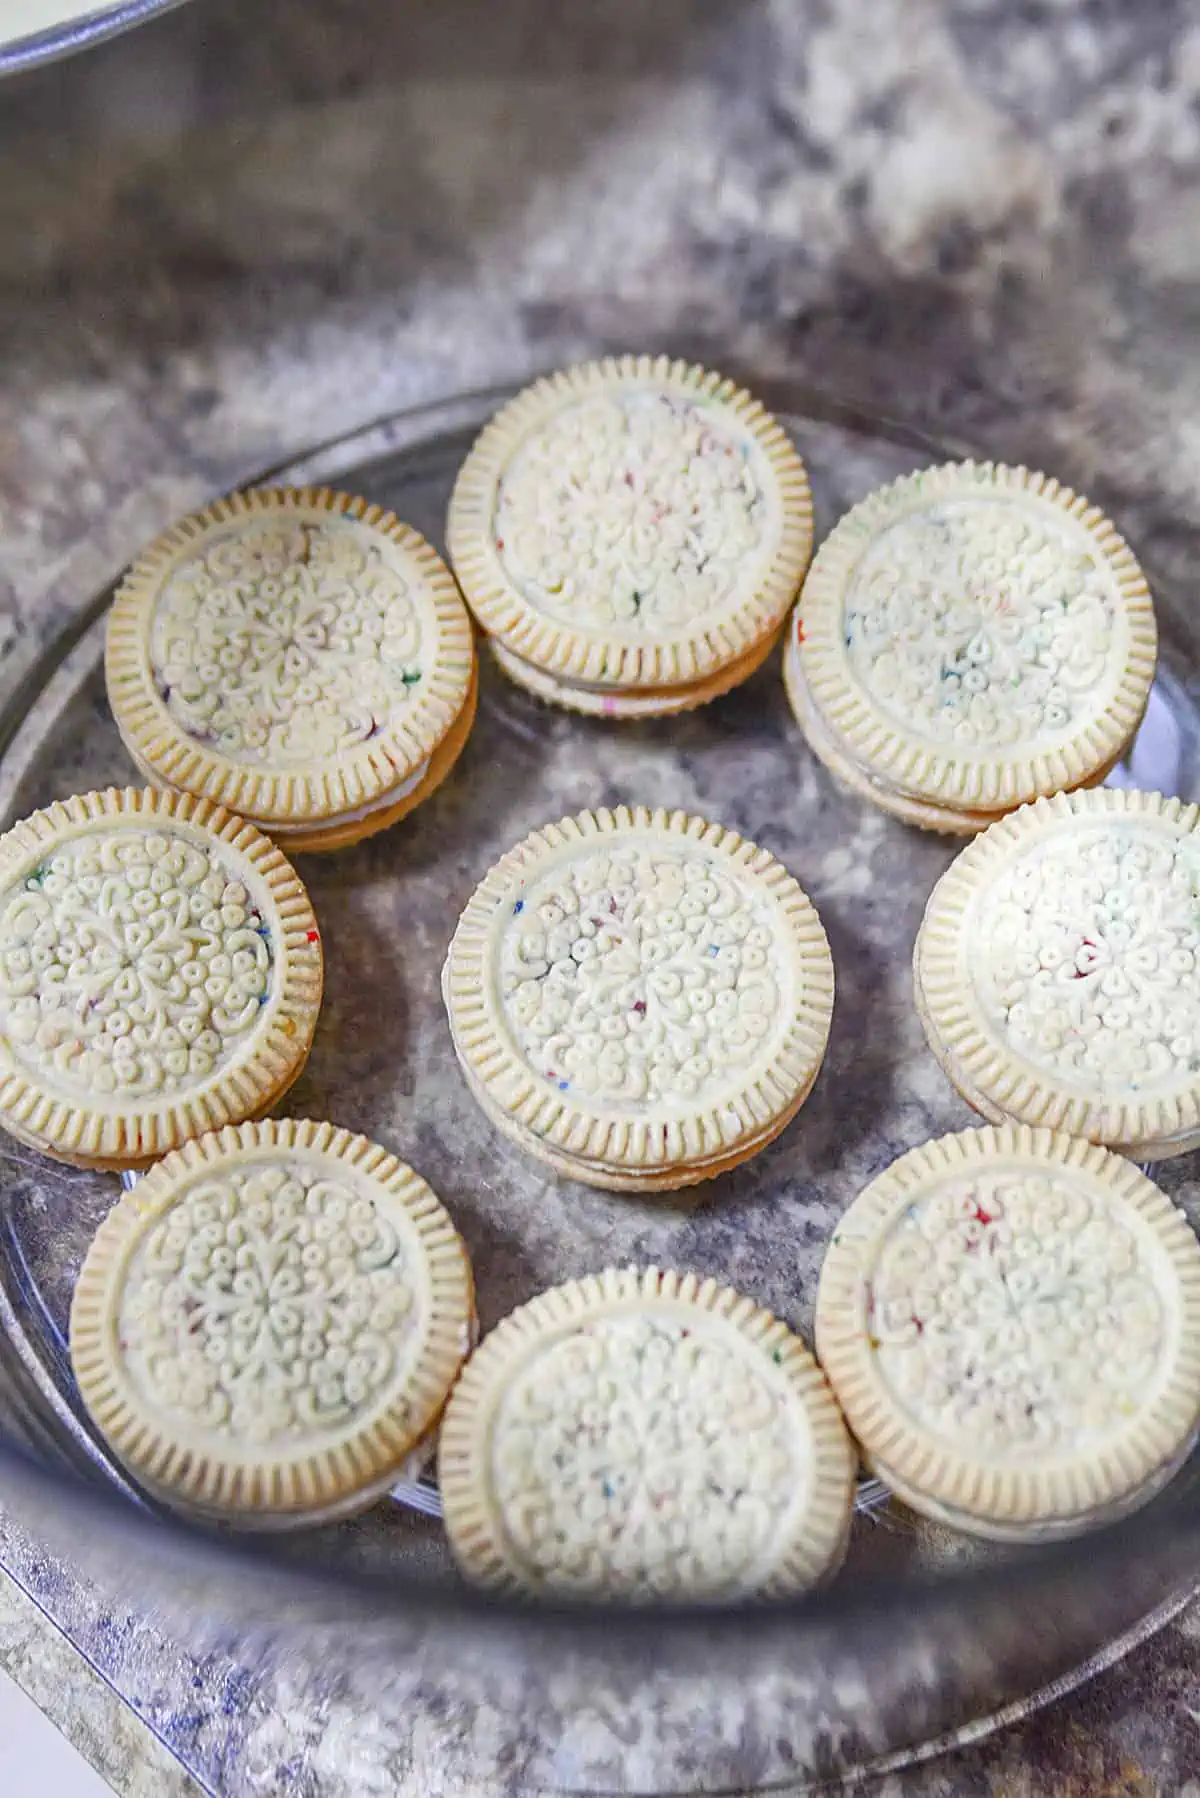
[(248, 227)]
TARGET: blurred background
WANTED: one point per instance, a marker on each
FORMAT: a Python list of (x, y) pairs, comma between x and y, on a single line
[(246, 225)]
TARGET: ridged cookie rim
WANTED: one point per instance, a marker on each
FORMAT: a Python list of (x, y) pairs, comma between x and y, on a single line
[(137, 1133), (997, 781), (359, 776), (623, 1185), (633, 703), (1010, 1497), (620, 658), (269, 1485), (472, 1520), (953, 1023), (481, 1039)]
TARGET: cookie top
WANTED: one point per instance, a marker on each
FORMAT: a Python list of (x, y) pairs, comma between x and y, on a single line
[(269, 1322), (634, 523), (644, 1435), (293, 654), (1010, 1320), (977, 635), (1058, 961), (640, 988), (160, 973)]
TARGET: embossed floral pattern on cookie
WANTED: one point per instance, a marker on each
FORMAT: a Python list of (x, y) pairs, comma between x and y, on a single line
[(285, 639), (160, 975), (267, 1327), (969, 637), (639, 995), (1010, 1320), (296, 654), (641, 976), (983, 623), (640, 508), (269, 1302), (643, 1434), (1056, 969), (1092, 956), (648, 1455), (631, 526), (1019, 1311), (131, 963)]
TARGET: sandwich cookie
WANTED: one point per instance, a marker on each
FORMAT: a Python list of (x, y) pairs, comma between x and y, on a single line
[(160, 975), (297, 655), (640, 999), (266, 1328), (1057, 970), (969, 638), (630, 535), (644, 1436), (1010, 1321)]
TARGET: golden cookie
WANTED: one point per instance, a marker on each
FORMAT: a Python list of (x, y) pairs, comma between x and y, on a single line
[(647, 1436), (1056, 970), (267, 1326), (643, 994), (968, 638), (160, 975), (1010, 1320), (295, 654), (628, 525)]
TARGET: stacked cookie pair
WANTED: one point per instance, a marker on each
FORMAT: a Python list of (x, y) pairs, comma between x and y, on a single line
[(298, 656), (968, 639), (630, 535), (160, 975), (266, 1328), (1010, 1321), (1057, 970), (639, 999)]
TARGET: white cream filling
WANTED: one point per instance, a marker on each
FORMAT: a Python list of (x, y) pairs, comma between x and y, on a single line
[(606, 689), (311, 826)]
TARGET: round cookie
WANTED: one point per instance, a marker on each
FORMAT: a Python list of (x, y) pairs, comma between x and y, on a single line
[(628, 526), (1010, 1321), (160, 975), (266, 1328), (295, 654), (968, 638), (1056, 970), (641, 995), (646, 1436)]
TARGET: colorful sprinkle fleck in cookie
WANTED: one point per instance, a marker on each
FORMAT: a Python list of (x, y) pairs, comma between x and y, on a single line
[(631, 527), (640, 998), (645, 1436), (160, 975), (1010, 1320), (1057, 970), (266, 1328), (297, 655), (968, 638)]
